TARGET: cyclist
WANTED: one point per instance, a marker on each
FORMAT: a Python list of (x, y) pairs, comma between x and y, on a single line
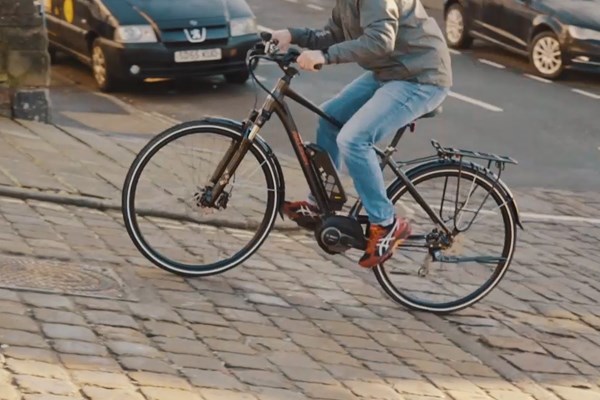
[(408, 75)]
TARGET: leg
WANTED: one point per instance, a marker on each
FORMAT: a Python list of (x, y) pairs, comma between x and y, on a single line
[(341, 108), (395, 105)]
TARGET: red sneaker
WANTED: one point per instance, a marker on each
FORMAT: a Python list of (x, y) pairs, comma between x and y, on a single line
[(383, 240), (303, 213)]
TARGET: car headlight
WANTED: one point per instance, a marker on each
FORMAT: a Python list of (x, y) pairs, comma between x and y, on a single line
[(583, 33), (243, 26), (135, 34)]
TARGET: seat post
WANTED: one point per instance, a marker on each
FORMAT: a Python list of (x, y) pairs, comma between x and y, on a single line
[(398, 137)]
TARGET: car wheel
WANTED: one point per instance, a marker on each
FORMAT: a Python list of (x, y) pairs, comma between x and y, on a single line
[(238, 78), (457, 35), (104, 78), (546, 55)]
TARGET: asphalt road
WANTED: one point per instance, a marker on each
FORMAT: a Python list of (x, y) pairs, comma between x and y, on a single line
[(552, 129)]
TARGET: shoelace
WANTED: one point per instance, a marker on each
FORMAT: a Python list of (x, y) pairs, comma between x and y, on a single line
[(375, 234)]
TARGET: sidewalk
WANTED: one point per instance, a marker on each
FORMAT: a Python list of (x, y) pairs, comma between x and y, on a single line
[(83, 316)]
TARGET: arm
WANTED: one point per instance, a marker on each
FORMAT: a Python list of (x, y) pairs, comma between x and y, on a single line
[(322, 38), (379, 22)]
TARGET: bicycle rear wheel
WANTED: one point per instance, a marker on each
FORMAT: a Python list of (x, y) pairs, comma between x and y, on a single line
[(161, 207), (470, 201)]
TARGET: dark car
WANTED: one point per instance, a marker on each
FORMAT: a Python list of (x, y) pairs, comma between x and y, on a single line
[(138, 39), (554, 34)]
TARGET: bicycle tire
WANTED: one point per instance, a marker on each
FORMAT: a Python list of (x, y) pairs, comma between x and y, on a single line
[(136, 170), (452, 169)]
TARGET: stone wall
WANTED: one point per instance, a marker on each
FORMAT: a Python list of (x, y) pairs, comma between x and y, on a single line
[(24, 61)]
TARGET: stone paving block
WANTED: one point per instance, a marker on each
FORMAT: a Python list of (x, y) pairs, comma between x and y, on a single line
[(182, 346), (116, 333), (206, 318), (76, 347), (36, 368), (567, 393), (159, 380), (198, 362), (418, 387), (508, 395), (539, 363), (212, 379), (61, 331), (49, 397), (8, 392), (91, 363), (33, 384), (300, 374), (111, 318), (167, 329), (156, 312), (344, 372), (229, 346), (102, 379), (260, 330), (330, 392), (263, 378), (292, 360), (12, 307), (316, 342), (323, 356), (145, 364), (156, 393), (372, 390), (132, 349), (47, 301), (21, 338), (29, 353), (58, 317), (273, 344), (232, 314), (18, 322), (96, 393), (218, 394), (235, 360)]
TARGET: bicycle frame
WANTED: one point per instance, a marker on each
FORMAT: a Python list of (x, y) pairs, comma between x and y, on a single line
[(275, 103)]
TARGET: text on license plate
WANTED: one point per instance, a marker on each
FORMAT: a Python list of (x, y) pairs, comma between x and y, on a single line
[(197, 55)]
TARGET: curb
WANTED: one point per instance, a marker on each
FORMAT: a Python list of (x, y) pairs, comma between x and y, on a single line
[(112, 205)]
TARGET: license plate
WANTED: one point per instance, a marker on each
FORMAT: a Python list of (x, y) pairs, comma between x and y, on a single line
[(197, 55)]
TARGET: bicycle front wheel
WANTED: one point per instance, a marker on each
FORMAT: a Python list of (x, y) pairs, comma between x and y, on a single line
[(475, 206), (161, 206)]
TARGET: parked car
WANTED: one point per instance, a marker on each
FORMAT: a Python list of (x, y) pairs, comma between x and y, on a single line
[(554, 34), (124, 40)]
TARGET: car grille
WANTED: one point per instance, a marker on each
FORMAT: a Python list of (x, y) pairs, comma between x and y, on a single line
[(176, 37)]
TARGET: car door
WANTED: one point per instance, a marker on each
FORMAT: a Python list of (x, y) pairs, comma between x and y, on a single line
[(487, 18), (517, 19), (55, 23), (76, 15)]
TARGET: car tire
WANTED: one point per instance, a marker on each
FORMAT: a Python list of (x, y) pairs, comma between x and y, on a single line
[(457, 34), (104, 78), (545, 55), (238, 78)]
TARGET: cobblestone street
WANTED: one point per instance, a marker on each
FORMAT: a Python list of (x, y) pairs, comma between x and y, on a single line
[(84, 316)]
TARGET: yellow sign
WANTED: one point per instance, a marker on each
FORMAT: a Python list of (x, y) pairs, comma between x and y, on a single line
[(69, 10)]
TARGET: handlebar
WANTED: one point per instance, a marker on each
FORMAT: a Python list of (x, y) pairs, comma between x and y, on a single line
[(268, 50)]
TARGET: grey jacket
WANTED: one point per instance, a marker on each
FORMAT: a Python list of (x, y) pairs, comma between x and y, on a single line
[(395, 39)]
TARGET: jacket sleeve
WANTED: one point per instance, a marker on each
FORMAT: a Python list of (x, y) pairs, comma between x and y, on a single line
[(379, 24), (319, 39)]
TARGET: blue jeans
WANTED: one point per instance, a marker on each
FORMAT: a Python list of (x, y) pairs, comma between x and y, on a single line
[(372, 111)]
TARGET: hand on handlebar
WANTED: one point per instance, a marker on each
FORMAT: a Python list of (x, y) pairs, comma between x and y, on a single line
[(311, 60), (283, 38)]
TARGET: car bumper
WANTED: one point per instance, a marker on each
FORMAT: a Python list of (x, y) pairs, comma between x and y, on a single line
[(583, 55), (157, 60)]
